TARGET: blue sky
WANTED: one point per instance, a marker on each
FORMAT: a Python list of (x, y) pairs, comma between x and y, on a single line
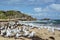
[(36, 8)]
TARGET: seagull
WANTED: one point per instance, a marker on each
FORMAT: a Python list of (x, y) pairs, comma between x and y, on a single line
[(2, 27), (2, 32), (57, 28), (8, 32), (12, 27), (26, 33), (24, 28), (49, 29), (18, 30), (45, 27), (53, 29), (14, 31), (39, 28), (31, 34), (17, 35)]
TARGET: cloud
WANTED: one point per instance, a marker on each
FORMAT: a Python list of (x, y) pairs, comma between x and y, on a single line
[(55, 7), (49, 8), (48, 11), (38, 9)]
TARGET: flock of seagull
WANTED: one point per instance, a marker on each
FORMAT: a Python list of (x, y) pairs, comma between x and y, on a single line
[(48, 27), (11, 29)]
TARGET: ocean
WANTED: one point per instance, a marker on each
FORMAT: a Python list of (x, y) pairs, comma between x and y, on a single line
[(52, 23)]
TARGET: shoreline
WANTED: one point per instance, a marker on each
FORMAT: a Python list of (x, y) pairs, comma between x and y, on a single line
[(42, 33)]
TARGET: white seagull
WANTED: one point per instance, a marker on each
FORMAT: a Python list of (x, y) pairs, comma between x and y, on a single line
[(31, 34), (26, 33)]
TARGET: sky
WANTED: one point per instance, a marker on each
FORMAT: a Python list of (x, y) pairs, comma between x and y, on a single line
[(36, 8)]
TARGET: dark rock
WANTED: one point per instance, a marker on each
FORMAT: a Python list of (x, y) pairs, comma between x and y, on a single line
[(52, 38)]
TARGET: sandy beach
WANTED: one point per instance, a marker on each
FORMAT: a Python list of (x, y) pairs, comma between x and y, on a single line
[(43, 34), (40, 33)]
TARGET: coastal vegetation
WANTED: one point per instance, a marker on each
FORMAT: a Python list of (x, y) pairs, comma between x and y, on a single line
[(12, 14)]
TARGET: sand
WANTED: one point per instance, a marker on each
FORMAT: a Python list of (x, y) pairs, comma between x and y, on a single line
[(41, 33), (45, 34)]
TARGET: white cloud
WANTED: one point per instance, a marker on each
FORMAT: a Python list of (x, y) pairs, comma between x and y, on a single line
[(55, 7), (49, 8), (38, 9)]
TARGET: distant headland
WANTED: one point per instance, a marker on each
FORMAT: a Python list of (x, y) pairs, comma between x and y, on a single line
[(14, 15)]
